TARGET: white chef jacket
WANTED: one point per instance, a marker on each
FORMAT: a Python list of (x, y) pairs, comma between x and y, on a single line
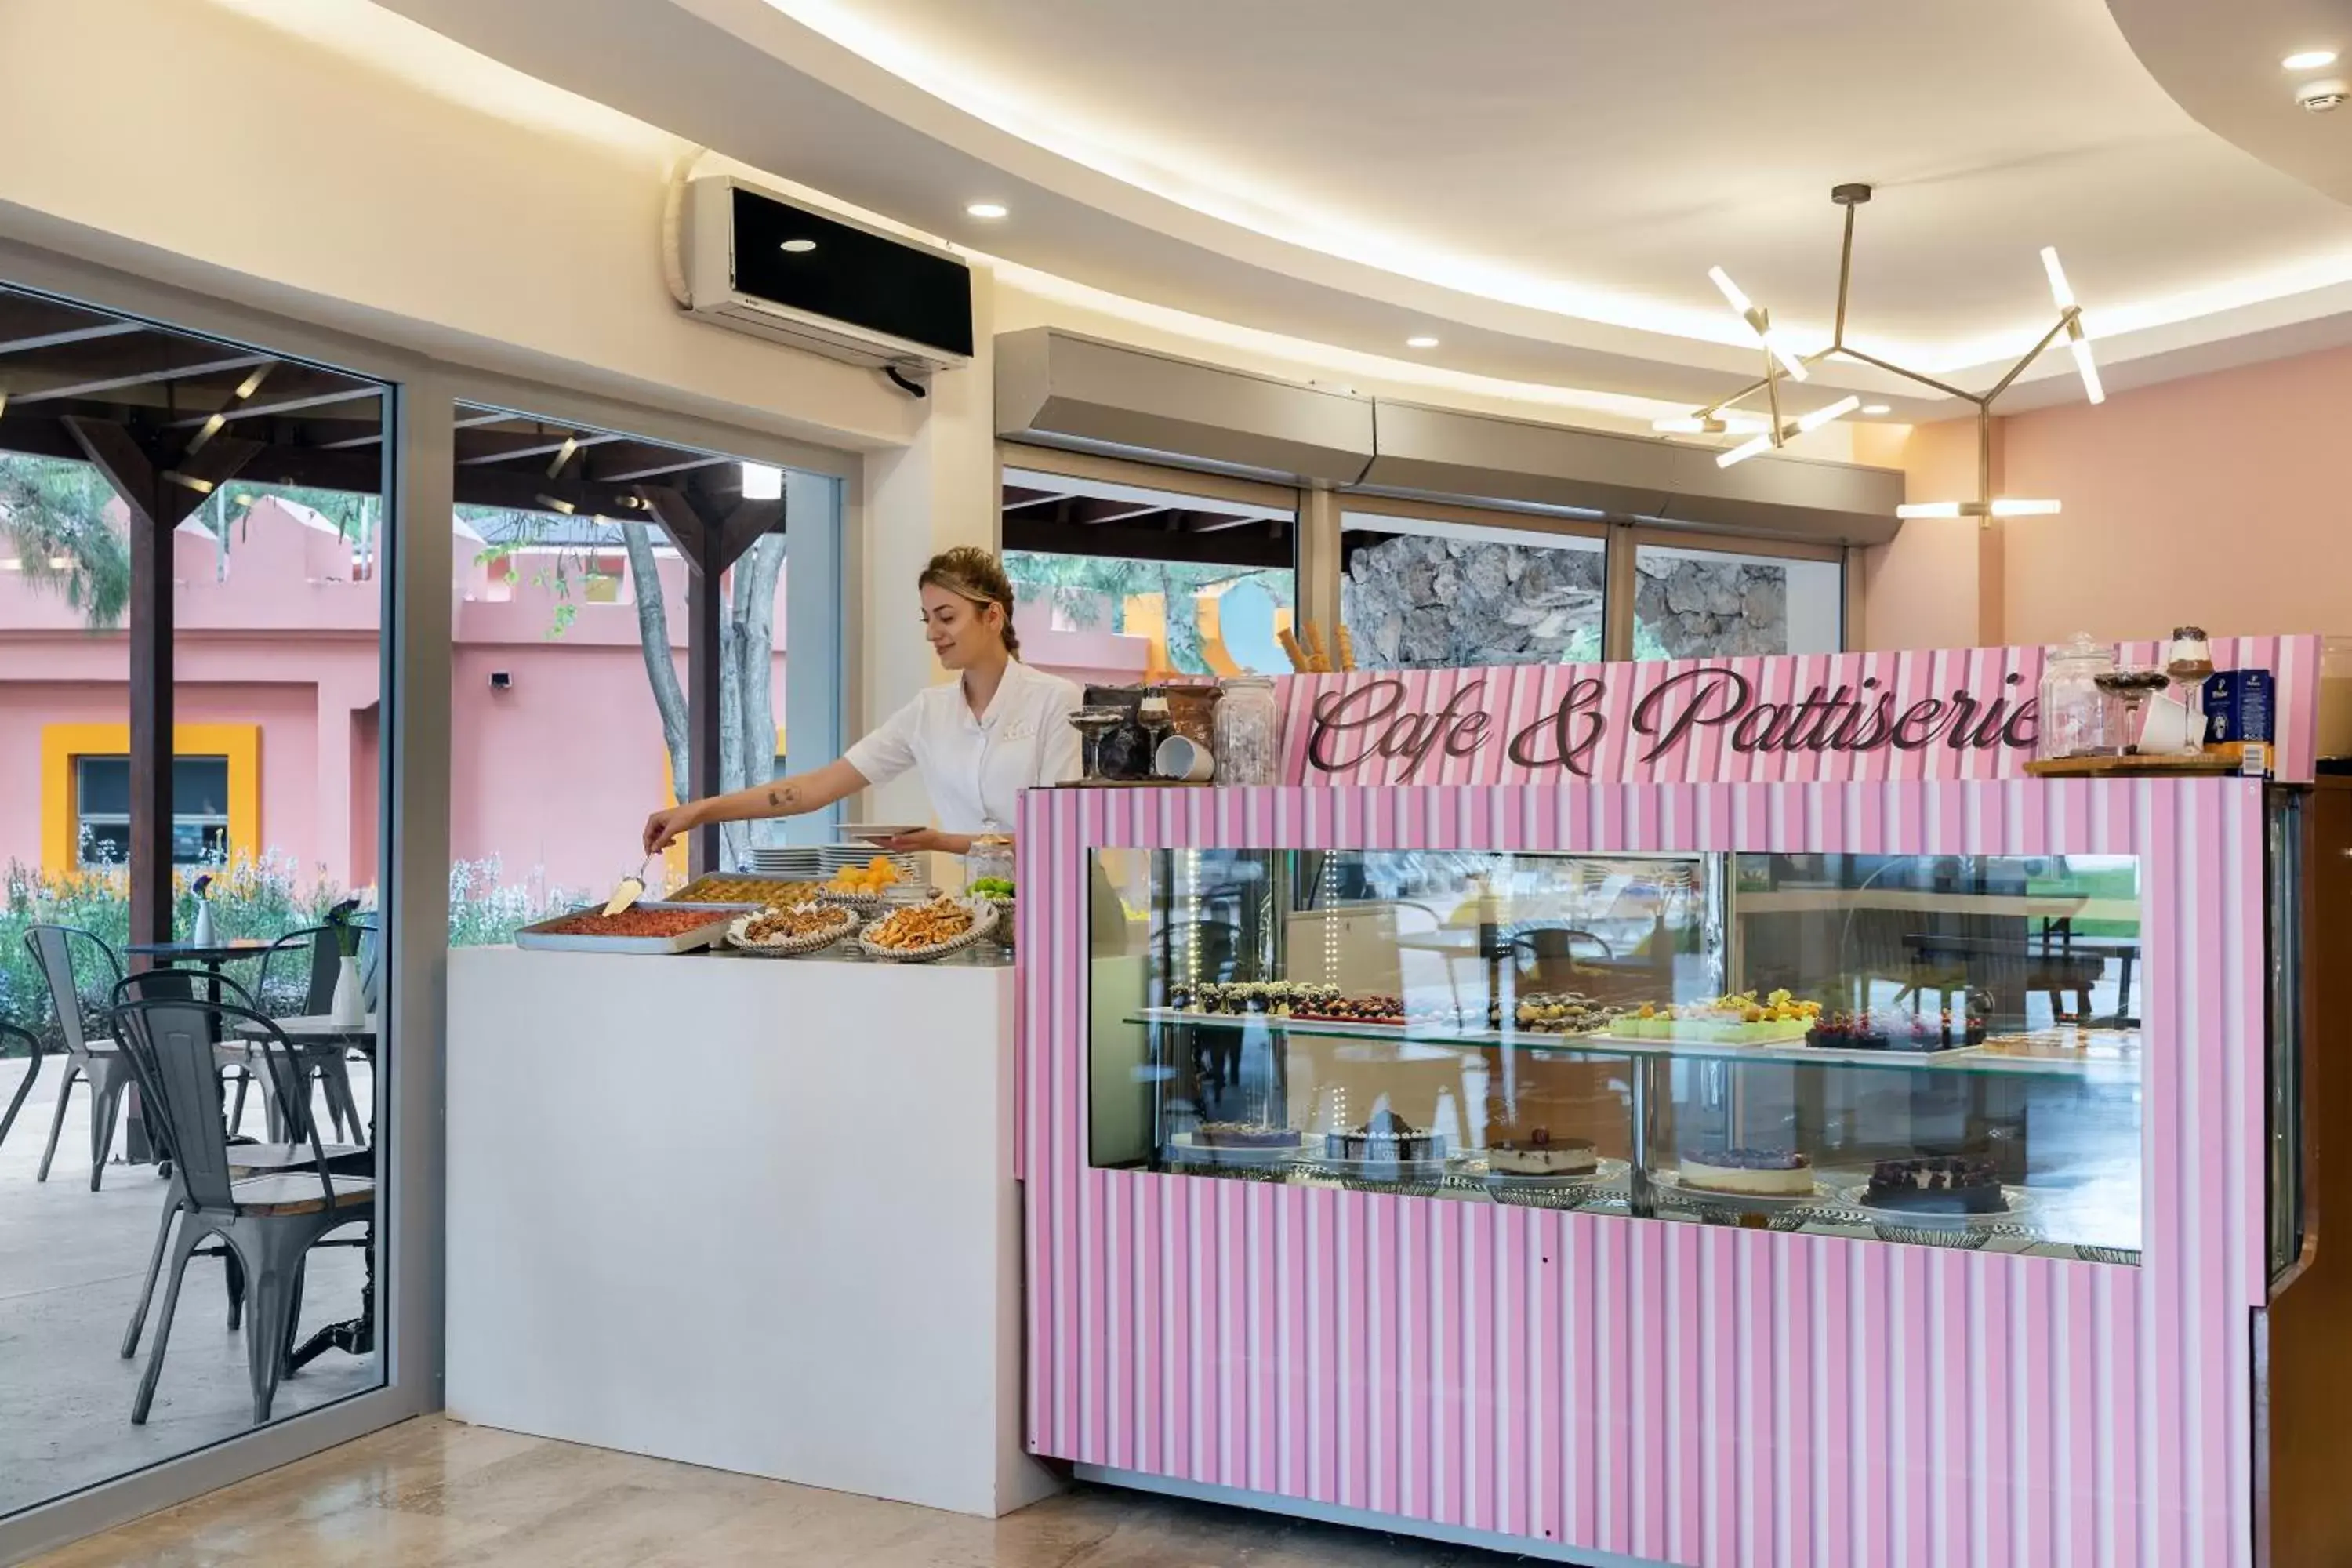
[(975, 769)]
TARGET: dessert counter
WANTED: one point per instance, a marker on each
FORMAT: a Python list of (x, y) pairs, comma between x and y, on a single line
[(748, 1213), (1896, 1158)]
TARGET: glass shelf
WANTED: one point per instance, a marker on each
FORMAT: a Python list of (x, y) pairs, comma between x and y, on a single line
[(2120, 1061)]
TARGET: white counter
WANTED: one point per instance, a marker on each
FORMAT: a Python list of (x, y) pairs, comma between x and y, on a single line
[(752, 1214)]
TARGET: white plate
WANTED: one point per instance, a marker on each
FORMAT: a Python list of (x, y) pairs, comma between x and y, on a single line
[(1670, 1185), (2020, 1202), (1607, 1172), (1183, 1150), (875, 832)]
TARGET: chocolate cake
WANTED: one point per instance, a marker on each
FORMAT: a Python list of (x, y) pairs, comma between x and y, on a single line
[(1387, 1136), (1937, 1183)]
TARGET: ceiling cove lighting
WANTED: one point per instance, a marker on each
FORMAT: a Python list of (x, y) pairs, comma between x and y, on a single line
[(2308, 59), (762, 483), (1779, 357), (988, 210)]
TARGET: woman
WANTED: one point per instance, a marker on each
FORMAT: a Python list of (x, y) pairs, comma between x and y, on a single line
[(998, 730)]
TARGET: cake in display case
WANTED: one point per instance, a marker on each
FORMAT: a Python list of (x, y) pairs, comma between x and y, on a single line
[(1935, 1050)]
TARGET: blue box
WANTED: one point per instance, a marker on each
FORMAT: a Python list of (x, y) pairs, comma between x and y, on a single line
[(2239, 706)]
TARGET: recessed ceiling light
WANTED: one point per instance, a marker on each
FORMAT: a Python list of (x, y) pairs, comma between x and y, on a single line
[(1424, 342), (1878, 408), (987, 209), (2308, 59), (798, 247)]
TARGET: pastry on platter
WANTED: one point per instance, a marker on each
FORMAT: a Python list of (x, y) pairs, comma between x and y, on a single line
[(1387, 1136), (1541, 1154), (1749, 1173), (1937, 1183), (1245, 1135)]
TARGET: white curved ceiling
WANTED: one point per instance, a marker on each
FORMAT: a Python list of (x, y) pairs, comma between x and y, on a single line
[(1541, 186)]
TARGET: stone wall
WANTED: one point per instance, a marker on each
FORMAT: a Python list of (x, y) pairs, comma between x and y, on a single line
[(1413, 600), (1694, 609)]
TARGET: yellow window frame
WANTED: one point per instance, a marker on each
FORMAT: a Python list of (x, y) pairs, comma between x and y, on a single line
[(62, 744)]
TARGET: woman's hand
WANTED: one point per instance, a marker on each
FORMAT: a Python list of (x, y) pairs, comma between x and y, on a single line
[(663, 827), (929, 839)]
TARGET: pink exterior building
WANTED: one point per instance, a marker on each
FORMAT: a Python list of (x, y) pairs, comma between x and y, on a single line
[(280, 661), (279, 655)]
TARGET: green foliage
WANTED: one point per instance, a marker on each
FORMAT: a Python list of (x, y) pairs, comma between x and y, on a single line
[(263, 898), (53, 511), (1076, 586)]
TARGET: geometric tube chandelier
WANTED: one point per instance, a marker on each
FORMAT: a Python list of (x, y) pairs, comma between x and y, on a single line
[(1769, 427)]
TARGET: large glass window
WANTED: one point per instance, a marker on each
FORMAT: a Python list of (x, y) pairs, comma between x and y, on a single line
[(1937, 1051), (142, 468), (577, 554), (1701, 604), (1119, 581), (1422, 595)]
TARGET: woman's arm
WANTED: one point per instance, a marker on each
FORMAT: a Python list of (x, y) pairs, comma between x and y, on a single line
[(812, 791)]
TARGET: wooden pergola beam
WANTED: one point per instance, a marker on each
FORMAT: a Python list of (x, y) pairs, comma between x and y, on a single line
[(59, 339), (652, 463), (116, 380), (158, 500)]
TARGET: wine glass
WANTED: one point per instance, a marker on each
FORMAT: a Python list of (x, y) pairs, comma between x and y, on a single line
[(2135, 684), (1094, 723), (1156, 718)]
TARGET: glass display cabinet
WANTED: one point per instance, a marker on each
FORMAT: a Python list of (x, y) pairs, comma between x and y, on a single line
[(1939, 1050)]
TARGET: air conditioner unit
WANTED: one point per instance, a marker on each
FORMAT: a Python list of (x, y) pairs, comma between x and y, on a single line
[(759, 264)]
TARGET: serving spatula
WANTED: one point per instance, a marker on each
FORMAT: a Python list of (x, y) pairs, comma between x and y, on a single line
[(630, 888)]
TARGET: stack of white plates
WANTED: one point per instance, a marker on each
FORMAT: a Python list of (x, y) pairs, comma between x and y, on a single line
[(834, 857), (800, 862)]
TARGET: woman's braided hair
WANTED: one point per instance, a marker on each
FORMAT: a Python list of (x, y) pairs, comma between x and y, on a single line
[(971, 573)]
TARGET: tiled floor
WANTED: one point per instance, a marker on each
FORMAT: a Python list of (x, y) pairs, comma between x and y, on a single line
[(435, 1494)]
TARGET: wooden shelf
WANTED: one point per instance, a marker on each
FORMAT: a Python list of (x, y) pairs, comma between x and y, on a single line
[(2155, 764)]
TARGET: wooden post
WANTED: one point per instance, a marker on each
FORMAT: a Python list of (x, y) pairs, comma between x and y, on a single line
[(158, 502)]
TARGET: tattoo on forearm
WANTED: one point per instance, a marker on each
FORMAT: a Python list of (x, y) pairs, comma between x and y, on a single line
[(785, 798)]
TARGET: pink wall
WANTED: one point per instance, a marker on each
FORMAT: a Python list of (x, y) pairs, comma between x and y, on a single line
[(554, 776), (2217, 500)]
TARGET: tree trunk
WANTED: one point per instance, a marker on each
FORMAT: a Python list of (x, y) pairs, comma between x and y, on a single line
[(734, 837), (756, 576), (661, 667)]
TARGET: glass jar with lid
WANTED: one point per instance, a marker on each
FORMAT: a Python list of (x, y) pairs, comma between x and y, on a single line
[(989, 859), (1248, 732), (2078, 720)]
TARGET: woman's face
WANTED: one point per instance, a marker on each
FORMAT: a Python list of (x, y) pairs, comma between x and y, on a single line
[(961, 632)]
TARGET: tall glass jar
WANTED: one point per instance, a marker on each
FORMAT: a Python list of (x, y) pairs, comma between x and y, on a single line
[(1248, 728), (2078, 720)]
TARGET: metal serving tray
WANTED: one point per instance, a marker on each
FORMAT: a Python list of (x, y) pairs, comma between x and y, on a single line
[(713, 931)]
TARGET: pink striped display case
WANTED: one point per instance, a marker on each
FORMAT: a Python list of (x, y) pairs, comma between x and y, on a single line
[(1608, 1389)]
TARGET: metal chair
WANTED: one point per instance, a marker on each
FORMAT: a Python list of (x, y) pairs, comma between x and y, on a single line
[(269, 1223), (245, 1159), (309, 991), (32, 1042), (95, 1061)]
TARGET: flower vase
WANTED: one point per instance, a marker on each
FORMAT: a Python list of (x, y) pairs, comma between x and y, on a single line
[(349, 1009), (202, 936)]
